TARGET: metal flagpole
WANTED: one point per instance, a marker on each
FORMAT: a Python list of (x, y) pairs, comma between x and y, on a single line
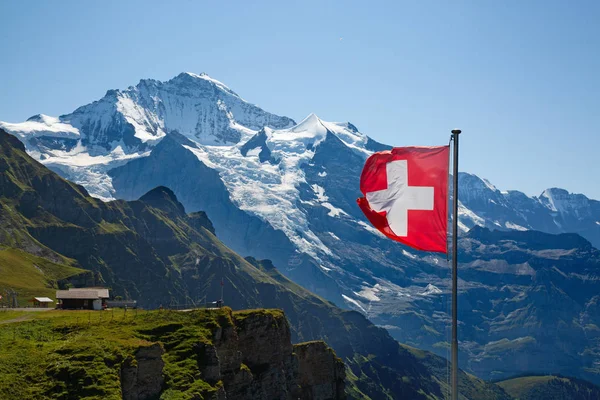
[(455, 134)]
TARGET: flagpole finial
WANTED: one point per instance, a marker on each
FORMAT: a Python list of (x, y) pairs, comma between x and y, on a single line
[(456, 131)]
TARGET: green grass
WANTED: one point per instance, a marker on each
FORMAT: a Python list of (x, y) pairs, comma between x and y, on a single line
[(109, 227), (79, 354), (30, 275), (241, 315), (8, 314), (352, 390), (518, 387)]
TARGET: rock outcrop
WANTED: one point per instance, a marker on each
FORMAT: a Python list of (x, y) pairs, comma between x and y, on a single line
[(141, 376), (250, 356), (256, 360), (321, 373)]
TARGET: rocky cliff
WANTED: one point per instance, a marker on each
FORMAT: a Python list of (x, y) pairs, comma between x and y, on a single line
[(202, 354), (249, 355)]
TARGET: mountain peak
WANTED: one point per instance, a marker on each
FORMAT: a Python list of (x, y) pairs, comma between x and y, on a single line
[(311, 123), (201, 75), (163, 198), (562, 201), (186, 78), (474, 180), (554, 192)]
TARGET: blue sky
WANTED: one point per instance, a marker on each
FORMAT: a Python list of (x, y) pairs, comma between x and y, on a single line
[(521, 78)]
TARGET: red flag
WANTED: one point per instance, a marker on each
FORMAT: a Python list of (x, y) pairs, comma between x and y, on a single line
[(406, 195)]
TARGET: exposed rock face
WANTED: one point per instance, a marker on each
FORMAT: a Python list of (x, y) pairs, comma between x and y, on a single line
[(264, 345), (251, 357), (210, 367), (255, 360), (321, 372), (143, 379)]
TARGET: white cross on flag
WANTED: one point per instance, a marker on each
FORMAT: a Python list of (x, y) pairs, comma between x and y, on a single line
[(406, 195)]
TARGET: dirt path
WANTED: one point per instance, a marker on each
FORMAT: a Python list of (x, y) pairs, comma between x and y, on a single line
[(18, 319)]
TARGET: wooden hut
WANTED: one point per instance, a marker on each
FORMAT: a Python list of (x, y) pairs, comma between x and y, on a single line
[(82, 298), (41, 302)]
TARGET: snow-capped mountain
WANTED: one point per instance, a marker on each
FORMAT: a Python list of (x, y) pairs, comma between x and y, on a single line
[(273, 169), (280, 190), (194, 105), (297, 179), (126, 124)]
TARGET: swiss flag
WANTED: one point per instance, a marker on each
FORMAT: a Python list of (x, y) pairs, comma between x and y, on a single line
[(406, 195)]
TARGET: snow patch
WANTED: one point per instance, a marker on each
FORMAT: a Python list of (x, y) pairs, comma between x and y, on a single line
[(354, 302), (333, 235), (80, 156), (514, 226), (322, 198), (140, 119), (489, 185), (409, 255), (333, 211), (254, 152), (467, 216), (41, 125), (217, 83), (431, 290), (369, 293), (370, 229), (320, 193)]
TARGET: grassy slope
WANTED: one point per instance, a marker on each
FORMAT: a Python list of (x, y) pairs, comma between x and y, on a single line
[(79, 354), (30, 275), (518, 387), (550, 387)]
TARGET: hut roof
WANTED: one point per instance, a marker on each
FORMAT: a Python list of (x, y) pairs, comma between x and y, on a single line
[(82, 293), (44, 299)]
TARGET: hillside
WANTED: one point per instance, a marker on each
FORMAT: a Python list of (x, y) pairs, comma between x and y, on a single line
[(201, 354), (550, 388), (31, 276), (152, 251)]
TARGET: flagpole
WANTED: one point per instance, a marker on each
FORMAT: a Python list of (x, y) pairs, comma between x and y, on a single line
[(455, 134)]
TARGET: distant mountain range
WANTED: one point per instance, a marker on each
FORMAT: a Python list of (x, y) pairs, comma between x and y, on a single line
[(286, 191)]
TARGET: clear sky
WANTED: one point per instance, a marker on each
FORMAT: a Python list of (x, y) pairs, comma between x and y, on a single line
[(521, 78)]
